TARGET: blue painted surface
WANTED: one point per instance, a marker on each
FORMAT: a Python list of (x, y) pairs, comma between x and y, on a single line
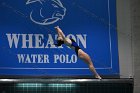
[(94, 18)]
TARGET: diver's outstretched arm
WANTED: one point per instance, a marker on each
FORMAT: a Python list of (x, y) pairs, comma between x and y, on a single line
[(60, 32)]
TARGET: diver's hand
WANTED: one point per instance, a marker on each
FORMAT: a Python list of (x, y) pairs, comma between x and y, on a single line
[(56, 27)]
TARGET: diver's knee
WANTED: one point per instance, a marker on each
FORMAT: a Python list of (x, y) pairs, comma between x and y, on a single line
[(90, 66)]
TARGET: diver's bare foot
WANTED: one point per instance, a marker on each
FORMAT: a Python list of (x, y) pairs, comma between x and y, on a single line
[(98, 77)]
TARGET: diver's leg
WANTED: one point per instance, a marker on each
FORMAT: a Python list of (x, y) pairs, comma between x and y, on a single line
[(84, 56)]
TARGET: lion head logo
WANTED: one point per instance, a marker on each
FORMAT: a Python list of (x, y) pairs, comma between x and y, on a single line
[(47, 12)]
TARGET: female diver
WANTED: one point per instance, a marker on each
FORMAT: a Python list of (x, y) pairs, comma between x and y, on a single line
[(80, 53)]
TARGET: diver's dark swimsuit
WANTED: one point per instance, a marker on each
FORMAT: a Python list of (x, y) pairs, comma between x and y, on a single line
[(74, 44)]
